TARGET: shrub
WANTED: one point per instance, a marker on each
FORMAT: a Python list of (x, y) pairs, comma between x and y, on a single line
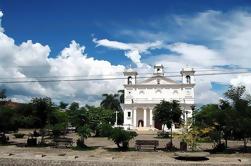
[(121, 137), (19, 135), (105, 130), (219, 148), (32, 142)]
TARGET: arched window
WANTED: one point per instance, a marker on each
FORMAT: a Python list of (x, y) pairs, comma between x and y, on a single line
[(188, 78), (129, 80)]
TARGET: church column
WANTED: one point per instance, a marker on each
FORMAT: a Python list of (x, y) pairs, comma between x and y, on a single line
[(134, 117), (151, 117), (144, 117)]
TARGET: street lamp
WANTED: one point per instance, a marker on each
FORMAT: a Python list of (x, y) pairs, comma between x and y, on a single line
[(116, 122)]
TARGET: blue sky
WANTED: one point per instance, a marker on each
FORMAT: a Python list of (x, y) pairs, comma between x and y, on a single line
[(211, 34), (56, 23)]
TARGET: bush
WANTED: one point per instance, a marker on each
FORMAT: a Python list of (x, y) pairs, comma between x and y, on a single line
[(121, 137), (105, 130), (19, 135), (219, 148), (32, 142)]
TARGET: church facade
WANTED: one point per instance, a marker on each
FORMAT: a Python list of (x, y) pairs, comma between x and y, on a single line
[(142, 96)]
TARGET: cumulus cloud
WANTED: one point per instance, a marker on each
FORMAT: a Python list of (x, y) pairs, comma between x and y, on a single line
[(224, 42), (242, 80), (132, 50), (29, 60)]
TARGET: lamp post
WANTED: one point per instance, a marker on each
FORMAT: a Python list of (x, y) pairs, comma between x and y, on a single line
[(116, 122)]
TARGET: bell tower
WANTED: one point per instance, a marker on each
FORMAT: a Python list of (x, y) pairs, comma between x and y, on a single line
[(187, 75), (131, 76), (158, 70)]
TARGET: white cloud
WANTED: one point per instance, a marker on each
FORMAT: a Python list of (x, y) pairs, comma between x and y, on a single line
[(242, 80), (225, 39), (132, 50), (32, 59)]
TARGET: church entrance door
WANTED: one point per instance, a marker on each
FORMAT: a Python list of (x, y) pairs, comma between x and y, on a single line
[(140, 123)]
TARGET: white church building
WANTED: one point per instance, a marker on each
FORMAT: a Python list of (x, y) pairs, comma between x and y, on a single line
[(142, 96)]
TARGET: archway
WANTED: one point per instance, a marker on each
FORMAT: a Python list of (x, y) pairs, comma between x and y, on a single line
[(140, 123)]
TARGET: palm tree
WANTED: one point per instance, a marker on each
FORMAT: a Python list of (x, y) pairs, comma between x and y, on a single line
[(168, 113), (111, 101)]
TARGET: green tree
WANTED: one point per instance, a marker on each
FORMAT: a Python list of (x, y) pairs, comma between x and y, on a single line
[(63, 105), (112, 102), (121, 137), (8, 122), (229, 118), (79, 119), (212, 116), (99, 118), (168, 113), (242, 118), (58, 122), (74, 106), (42, 108)]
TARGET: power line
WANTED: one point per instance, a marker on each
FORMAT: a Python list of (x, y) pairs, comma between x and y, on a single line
[(119, 73), (112, 78)]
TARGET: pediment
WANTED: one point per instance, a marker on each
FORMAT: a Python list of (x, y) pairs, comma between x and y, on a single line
[(156, 79)]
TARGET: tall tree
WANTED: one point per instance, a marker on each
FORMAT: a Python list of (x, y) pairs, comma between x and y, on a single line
[(99, 117), (112, 102), (168, 113), (42, 108), (79, 118), (241, 105), (63, 105)]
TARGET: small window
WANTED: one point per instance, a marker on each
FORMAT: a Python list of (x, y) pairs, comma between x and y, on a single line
[(129, 80), (158, 81), (129, 114), (188, 79)]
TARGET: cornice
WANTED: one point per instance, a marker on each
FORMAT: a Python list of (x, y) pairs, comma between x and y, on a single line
[(159, 85)]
